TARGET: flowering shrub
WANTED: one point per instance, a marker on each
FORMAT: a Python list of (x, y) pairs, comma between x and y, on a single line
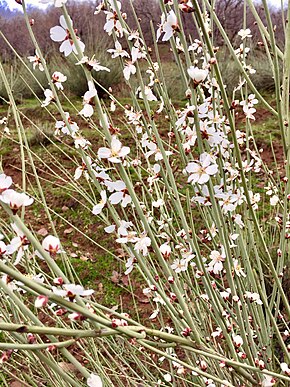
[(180, 197)]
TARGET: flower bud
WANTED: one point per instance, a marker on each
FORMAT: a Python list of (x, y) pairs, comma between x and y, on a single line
[(41, 301)]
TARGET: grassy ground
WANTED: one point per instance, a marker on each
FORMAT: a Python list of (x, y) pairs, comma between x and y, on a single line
[(95, 267)]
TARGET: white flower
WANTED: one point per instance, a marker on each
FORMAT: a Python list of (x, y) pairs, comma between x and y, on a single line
[(167, 377), (15, 200), (121, 195), (254, 297), (118, 51), (217, 259), (19, 243), (238, 220), (154, 150), (71, 291), (112, 21), (202, 170), (196, 46), (285, 368), (123, 227), (129, 238), (158, 203), (77, 290), (115, 153), (268, 381), (170, 26), (274, 200), (59, 3), (88, 101), (70, 129), (228, 201), (51, 244), (113, 106), (5, 182), (3, 248), (249, 112), (185, 114), (179, 265), (41, 301), (136, 54), (238, 341), (36, 61), (245, 33), (159, 299), (165, 250), (48, 97), (129, 70), (255, 198), (58, 78), (238, 269), (97, 209), (61, 34), (81, 142), (242, 51), (92, 64), (129, 265), (148, 94), (198, 75), (142, 244)]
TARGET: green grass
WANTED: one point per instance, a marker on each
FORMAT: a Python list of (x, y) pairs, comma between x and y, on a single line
[(97, 275), (267, 130)]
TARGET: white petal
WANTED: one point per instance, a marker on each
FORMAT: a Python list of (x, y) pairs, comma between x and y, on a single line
[(94, 381), (57, 34), (87, 110), (212, 169), (118, 185), (97, 209), (116, 197), (66, 47), (104, 153), (78, 173), (127, 199), (62, 22), (204, 178), (110, 229)]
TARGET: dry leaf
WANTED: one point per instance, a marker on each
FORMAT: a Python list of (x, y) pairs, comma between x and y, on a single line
[(115, 277), (42, 231), (68, 230), (121, 253), (16, 383), (67, 367), (144, 300), (125, 280)]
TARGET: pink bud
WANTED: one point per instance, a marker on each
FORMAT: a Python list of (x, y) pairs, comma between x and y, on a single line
[(186, 332), (41, 301), (31, 339), (58, 281)]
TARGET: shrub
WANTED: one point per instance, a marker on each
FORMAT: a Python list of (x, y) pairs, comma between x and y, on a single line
[(179, 196)]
